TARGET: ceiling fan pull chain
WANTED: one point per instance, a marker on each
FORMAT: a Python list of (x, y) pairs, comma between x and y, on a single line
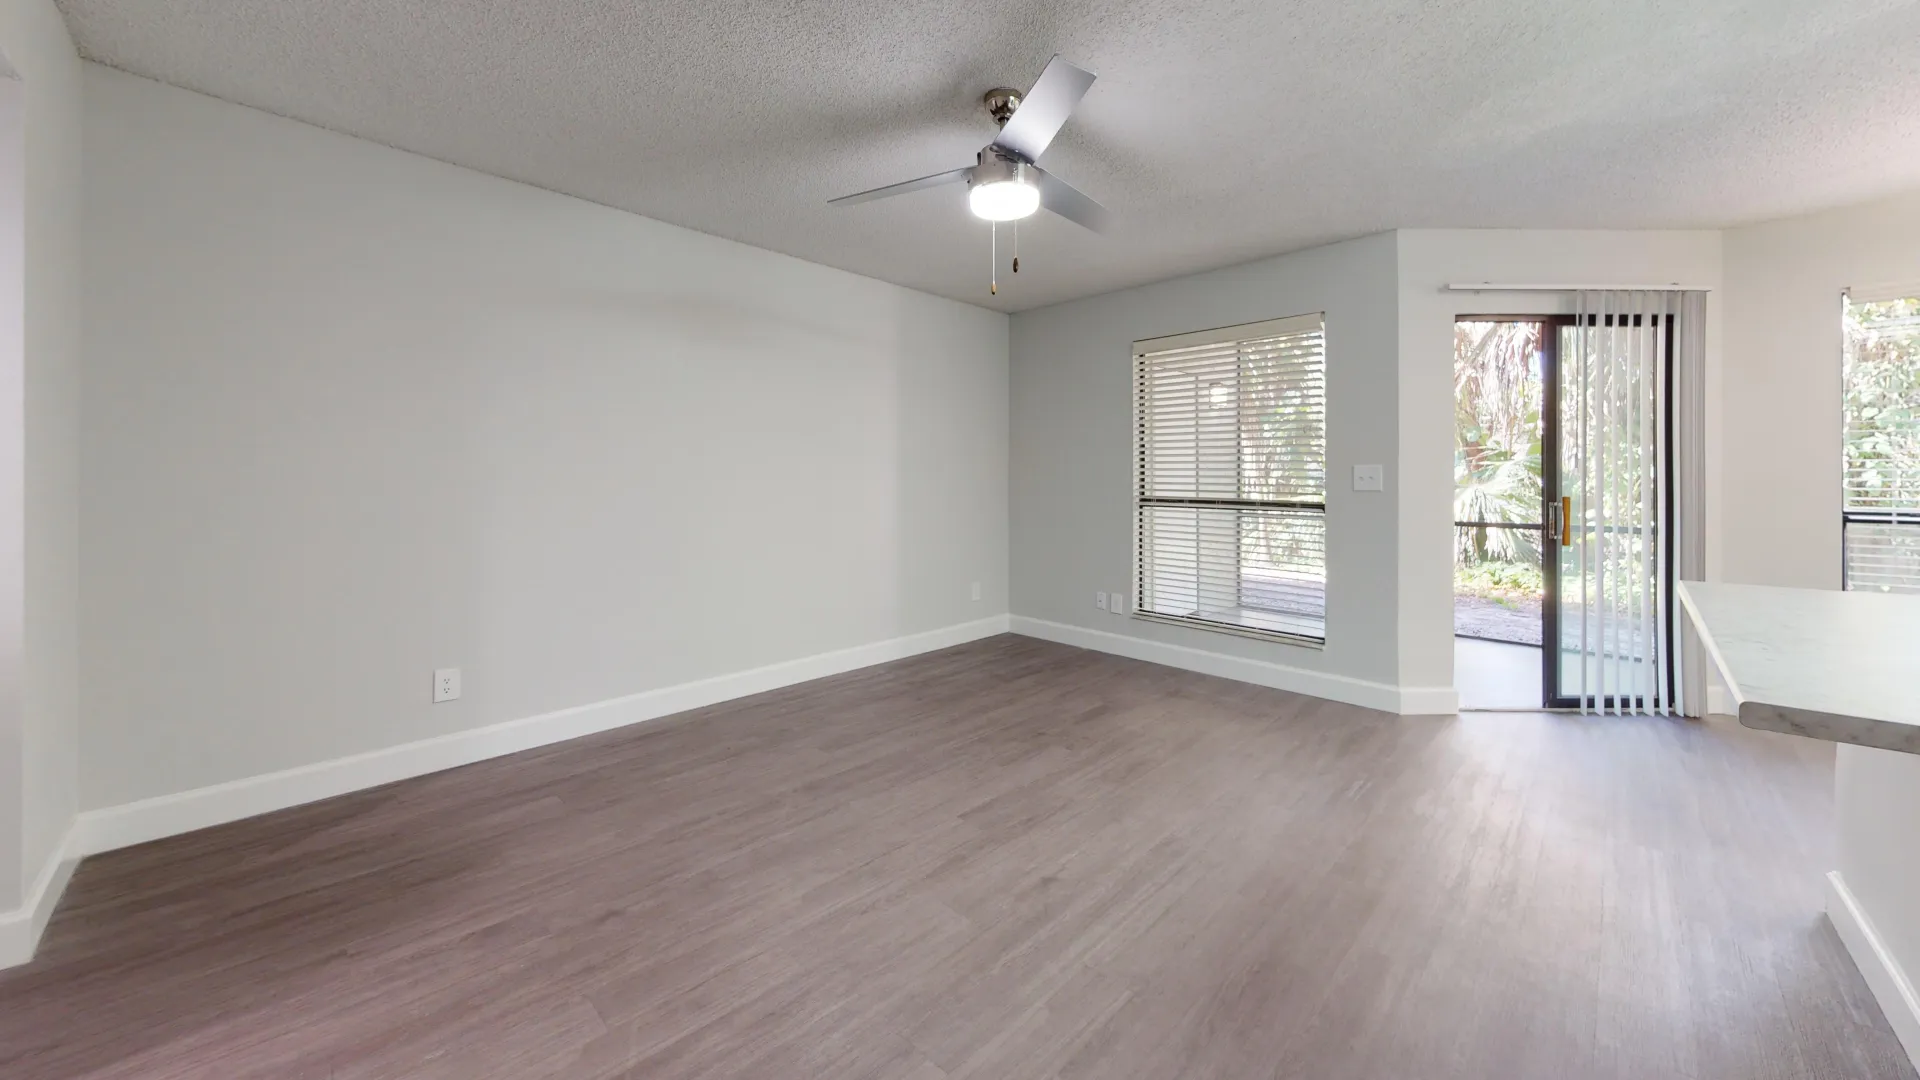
[(993, 258), (1016, 245)]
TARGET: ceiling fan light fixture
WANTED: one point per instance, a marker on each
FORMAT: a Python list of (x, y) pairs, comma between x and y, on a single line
[(1003, 187), (1004, 200)]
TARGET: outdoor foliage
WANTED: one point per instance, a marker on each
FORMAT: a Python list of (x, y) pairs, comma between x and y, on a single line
[(1882, 445), (1496, 462), (1282, 411), (1883, 406), (1510, 583)]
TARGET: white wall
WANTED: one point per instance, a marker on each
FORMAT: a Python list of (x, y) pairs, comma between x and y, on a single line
[(1877, 816), (1782, 394), (351, 415), (1783, 345), (1072, 445), (39, 510), (1432, 259)]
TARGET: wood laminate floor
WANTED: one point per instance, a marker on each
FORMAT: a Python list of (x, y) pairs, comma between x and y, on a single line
[(1006, 860)]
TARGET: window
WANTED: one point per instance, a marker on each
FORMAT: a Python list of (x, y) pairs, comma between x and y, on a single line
[(1231, 512), (1880, 512)]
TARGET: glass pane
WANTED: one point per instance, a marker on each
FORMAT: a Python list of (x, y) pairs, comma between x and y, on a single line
[(1255, 569), (1882, 471), (1883, 557), (1497, 396), (1282, 410), (1283, 567), (1609, 591), (1882, 407)]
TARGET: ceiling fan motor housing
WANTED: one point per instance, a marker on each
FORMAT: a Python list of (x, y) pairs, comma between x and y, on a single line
[(997, 165), (1001, 101)]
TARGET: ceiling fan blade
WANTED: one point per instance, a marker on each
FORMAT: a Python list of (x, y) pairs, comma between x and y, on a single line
[(951, 176), (1044, 109), (1071, 203)]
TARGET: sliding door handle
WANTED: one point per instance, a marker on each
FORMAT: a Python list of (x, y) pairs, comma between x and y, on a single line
[(1566, 521)]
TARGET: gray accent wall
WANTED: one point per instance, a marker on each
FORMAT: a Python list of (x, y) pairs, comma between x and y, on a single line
[(1072, 445)]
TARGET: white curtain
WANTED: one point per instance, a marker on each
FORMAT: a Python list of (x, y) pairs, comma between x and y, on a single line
[(1632, 480)]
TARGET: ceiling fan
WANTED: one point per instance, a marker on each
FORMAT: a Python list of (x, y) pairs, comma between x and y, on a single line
[(1006, 183)]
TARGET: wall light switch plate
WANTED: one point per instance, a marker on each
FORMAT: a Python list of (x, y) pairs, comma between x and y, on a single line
[(1100, 600), (976, 590), (1117, 603), (446, 684), (1369, 478)]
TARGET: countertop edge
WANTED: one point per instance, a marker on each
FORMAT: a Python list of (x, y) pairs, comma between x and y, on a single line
[(1761, 715)]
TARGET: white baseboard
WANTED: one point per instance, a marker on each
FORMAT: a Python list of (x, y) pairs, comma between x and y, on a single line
[(1427, 700), (1882, 970), (169, 815), (20, 929), (1407, 700)]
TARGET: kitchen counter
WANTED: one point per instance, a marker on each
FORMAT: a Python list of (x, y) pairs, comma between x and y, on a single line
[(1838, 666)]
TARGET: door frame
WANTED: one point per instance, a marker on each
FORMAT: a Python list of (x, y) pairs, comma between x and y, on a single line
[(1550, 688)]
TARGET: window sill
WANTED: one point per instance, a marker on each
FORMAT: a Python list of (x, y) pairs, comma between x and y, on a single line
[(1246, 622)]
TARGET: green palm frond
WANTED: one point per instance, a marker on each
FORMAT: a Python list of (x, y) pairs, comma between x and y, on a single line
[(1496, 467)]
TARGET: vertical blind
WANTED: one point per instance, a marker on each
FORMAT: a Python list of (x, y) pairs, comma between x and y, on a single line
[(1614, 600), (1880, 511), (1231, 469)]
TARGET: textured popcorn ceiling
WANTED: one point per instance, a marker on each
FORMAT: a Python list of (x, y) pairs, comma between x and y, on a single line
[(1218, 132)]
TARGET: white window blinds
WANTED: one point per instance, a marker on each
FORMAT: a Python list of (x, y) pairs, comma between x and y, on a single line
[(1880, 512), (1230, 517)]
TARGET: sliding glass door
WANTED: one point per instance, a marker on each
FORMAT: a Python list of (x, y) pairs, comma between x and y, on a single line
[(1563, 500), (1609, 603)]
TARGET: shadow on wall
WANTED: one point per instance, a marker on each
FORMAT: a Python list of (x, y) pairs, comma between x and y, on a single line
[(20, 784)]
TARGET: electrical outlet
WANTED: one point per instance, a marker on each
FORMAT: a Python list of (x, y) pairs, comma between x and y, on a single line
[(1100, 600), (976, 590), (446, 684)]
